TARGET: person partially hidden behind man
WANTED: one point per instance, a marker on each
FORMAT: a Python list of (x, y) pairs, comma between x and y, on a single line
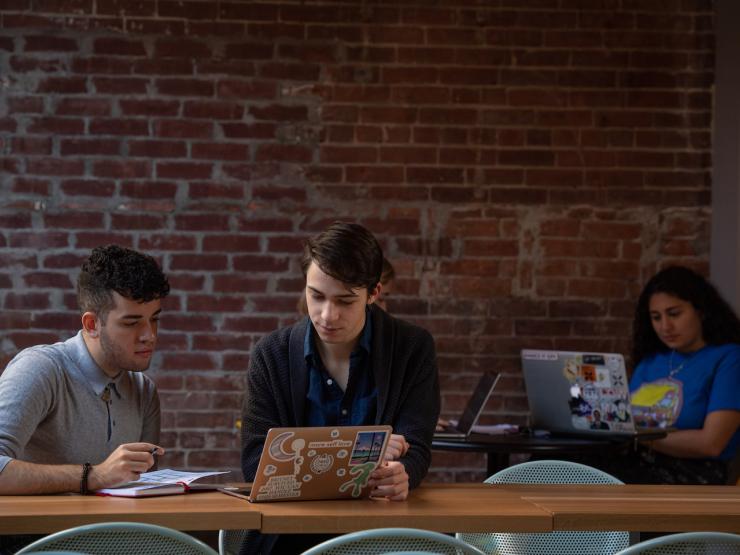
[(80, 415), (348, 363)]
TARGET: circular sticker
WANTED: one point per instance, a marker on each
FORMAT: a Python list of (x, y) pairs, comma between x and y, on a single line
[(342, 454), (270, 469), (341, 472), (322, 463), (307, 478)]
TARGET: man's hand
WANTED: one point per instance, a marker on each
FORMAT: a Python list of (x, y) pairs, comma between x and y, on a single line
[(390, 480), (123, 465), (442, 425), (397, 447)]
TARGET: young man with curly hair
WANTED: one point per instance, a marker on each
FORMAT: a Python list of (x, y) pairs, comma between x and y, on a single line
[(80, 415)]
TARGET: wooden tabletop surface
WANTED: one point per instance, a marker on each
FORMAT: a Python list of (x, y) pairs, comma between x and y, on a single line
[(441, 507), (41, 514)]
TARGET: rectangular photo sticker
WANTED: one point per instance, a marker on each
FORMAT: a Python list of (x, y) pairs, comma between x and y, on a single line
[(367, 447)]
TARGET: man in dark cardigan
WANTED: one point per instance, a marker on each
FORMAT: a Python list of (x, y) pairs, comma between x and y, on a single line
[(348, 363)]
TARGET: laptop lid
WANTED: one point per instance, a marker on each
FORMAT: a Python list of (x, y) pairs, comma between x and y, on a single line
[(578, 392), (331, 462), (474, 407)]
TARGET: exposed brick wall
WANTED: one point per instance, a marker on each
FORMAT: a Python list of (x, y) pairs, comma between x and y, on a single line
[(526, 165)]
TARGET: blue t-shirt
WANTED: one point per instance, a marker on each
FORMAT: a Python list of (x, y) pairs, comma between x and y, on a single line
[(705, 381)]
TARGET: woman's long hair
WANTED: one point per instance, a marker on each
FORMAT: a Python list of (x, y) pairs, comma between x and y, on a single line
[(719, 324)]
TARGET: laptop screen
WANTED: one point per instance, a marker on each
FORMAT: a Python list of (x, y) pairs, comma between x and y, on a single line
[(477, 401)]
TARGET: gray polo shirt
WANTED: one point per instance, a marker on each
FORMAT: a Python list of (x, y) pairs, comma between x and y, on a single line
[(52, 407)]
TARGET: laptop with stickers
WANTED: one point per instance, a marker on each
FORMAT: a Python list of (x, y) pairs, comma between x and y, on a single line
[(472, 410), (580, 393), (333, 462)]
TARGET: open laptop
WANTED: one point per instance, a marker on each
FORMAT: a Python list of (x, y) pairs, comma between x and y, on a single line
[(332, 462), (578, 393), (472, 411)]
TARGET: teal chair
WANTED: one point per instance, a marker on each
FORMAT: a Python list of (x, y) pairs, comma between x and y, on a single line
[(230, 541), (120, 538), (392, 540), (550, 543), (694, 543)]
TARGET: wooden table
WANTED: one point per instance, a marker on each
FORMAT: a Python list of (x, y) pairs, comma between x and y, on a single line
[(637, 508), (42, 514), (439, 507)]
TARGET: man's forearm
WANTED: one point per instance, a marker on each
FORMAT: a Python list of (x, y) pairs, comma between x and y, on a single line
[(24, 478)]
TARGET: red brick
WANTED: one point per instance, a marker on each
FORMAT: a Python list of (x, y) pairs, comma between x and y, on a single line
[(66, 260), (216, 190), (127, 7), (151, 26), (122, 168), (183, 170), (101, 65), (83, 107), (32, 146), (279, 193), (118, 47), (184, 87), (69, 147), (25, 104), (25, 64), (260, 263), (90, 240), (157, 149), (219, 151), (57, 126), (149, 107), (202, 222), (62, 85), (217, 303), (284, 153), (76, 220), (136, 221), (120, 85), (238, 284), (54, 166), (176, 242), (38, 240), (47, 280), (231, 243), (31, 186), (196, 129), (181, 48), (212, 110), (88, 187), (49, 44), (168, 66), (115, 126)]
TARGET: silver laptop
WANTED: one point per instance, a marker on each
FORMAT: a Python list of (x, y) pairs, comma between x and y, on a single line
[(473, 409), (579, 393)]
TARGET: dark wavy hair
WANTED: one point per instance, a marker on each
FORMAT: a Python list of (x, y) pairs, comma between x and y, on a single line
[(129, 273), (347, 252), (719, 323)]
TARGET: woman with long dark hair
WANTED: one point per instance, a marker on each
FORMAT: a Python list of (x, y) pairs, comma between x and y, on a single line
[(686, 352)]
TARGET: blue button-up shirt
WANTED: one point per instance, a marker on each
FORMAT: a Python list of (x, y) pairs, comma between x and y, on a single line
[(326, 403)]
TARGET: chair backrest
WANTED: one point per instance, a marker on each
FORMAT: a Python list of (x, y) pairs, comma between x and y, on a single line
[(551, 543), (707, 543), (392, 540), (120, 538), (230, 541)]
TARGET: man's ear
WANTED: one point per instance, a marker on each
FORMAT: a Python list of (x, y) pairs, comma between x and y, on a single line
[(91, 324), (373, 296)]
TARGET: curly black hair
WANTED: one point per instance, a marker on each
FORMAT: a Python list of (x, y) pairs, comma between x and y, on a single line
[(719, 323), (129, 273)]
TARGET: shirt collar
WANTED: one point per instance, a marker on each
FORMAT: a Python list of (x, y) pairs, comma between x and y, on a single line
[(95, 376), (365, 342)]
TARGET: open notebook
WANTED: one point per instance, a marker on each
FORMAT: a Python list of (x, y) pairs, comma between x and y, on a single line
[(332, 462), (163, 482)]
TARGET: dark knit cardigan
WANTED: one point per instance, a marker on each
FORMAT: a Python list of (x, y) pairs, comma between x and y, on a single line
[(405, 369)]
